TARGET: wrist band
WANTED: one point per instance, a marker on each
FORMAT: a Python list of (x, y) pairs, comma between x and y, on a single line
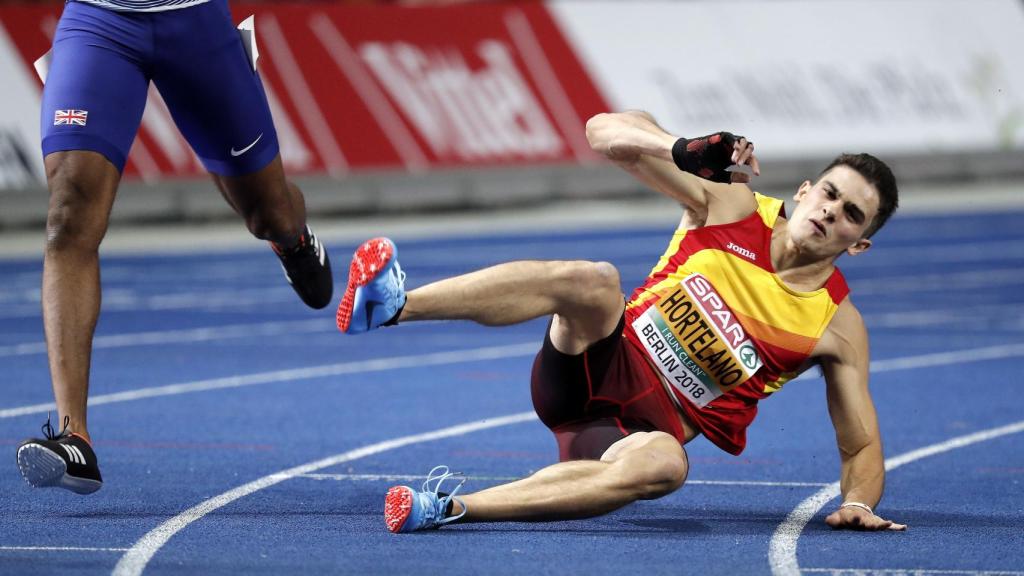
[(679, 154), (860, 505)]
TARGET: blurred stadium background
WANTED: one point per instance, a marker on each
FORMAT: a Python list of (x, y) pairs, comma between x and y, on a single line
[(431, 107)]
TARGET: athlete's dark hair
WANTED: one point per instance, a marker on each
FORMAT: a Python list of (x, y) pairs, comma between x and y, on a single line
[(878, 174)]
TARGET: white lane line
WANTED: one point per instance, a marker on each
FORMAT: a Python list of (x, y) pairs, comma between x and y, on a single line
[(413, 477), (392, 477), (997, 352), (184, 336), (59, 549), (782, 548), (129, 300), (909, 572), (135, 560), (115, 300), (357, 367), (985, 314), (610, 248), (994, 251), (951, 357), (229, 331), (756, 483), (980, 279), (440, 358)]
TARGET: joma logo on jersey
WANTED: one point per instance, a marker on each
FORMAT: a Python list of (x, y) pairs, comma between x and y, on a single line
[(741, 251)]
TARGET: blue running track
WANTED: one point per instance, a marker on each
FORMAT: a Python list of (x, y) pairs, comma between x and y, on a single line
[(239, 433)]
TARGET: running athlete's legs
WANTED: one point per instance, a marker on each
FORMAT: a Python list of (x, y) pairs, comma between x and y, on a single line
[(92, 105), (584, 297), (82, 190), (273, 208), (641, 466), (218, 102)]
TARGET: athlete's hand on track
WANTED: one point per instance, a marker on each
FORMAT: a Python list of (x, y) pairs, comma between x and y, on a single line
[(853, 518), (743, 155)]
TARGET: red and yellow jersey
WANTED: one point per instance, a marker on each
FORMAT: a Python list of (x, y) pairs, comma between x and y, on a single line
[(722, 327)]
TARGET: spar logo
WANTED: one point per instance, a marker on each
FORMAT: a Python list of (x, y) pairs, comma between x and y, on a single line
[(471, 114), (724, 321), (696, 342)]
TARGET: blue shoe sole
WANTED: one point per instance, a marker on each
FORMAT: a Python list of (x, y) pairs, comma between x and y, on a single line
[(370, 260)]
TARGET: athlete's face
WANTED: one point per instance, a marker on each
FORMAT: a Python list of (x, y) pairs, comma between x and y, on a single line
[(833, 213)]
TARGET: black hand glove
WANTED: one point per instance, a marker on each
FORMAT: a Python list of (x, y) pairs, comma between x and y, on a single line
[(707, 156)]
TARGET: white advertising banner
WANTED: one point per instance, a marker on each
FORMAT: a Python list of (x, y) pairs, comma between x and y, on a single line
[(806, 78), (20, 158)]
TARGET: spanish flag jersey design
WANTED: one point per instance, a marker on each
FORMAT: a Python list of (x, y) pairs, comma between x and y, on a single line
[(722, 327)]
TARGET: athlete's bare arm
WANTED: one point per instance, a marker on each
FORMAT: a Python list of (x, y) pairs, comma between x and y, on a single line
[(843, 353), (637, 144)]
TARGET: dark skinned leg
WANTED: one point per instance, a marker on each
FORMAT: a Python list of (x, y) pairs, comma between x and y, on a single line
[(82, 190)]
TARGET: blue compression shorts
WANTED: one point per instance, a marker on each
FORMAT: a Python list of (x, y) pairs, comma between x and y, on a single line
[(99, 76)]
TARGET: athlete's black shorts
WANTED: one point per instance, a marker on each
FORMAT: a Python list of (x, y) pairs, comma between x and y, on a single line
[(594, 399)]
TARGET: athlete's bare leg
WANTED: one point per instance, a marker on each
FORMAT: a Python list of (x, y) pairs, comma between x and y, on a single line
[(586, 302), (82, 190), (641, 466), (272, 207), (584, 297)]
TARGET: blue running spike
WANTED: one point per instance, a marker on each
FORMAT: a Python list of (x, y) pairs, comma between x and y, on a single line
[(376, 287), (406, 510)]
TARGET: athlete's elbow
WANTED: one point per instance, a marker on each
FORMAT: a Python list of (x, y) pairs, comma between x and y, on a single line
[(597, 131)]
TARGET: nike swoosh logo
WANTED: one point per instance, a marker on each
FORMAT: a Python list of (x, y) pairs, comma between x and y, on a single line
[(246, 149)]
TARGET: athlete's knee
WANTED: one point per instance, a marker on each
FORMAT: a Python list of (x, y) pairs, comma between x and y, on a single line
[(73, 220), (272, 212), (274, 220), (592, 283), (670, 473), (265, 224), (655, 464), (606, 276)]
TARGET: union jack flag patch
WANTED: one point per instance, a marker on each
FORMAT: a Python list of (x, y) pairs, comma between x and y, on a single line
[(70, 117)]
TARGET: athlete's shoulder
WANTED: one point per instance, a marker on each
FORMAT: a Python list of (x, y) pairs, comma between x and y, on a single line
[(728, 203), (847, 315), (846, 335)]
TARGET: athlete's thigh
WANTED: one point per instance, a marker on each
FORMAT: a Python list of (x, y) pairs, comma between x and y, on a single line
[(95, 91), (211, 90), (592, 309)]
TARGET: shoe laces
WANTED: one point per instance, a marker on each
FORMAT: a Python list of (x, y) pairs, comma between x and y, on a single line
[(48, 428), (438, 475), (397, 288)]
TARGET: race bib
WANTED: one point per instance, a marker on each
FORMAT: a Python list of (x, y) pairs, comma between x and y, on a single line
[(696, 341)]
